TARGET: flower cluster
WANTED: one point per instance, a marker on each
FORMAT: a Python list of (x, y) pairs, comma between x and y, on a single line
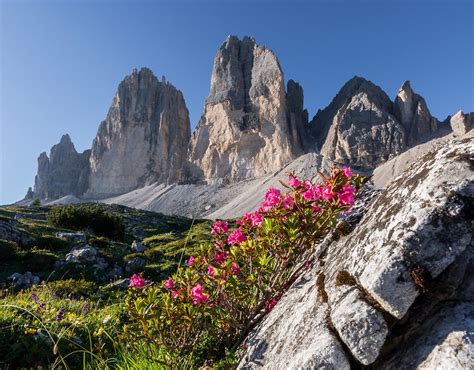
[(223, 290)]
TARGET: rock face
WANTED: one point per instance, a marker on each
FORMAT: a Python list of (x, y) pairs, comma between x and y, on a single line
[(397, 292), (143, 139), (461, 123), (64, 172), (413, 113), (359, 128), (250, 125)]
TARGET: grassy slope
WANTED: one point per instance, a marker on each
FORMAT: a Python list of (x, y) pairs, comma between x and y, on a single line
[(21, 344)]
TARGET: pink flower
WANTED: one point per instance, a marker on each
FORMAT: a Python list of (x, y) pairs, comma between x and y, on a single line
[(327, 192), (219, 227), (307, 195), (294, 182), (347, 172), (211, 271), (169, 283), (270, 305), (197, 294), (175, 294), (346, 195), (256, 219), (235, 269), (245, 220), (236, 237), (136, 281), (220, 258), (272, 198), (316, 209), (307, 184), (288, 201), (191, 261)]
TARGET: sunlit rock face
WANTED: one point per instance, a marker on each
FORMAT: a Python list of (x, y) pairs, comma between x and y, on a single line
[(64, 172), (143, 139), (251, 126), (413, 113), (358, 128)]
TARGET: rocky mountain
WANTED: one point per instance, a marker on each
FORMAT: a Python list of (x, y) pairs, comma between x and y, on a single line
[(362, 127), (396, 292), (251, 126), (143, 139), (64, 172)]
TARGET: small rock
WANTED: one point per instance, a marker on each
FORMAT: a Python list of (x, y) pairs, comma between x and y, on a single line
[(24, 280), (72, 237), (138, 247), (135, 264), (81, 254)]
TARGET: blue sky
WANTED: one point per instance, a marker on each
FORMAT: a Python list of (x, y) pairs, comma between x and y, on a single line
[(61, 61)]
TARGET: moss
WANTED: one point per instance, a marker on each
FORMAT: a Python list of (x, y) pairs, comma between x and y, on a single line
[(421, 278), (73, 288), (51, 243), (344, 278), (321, 289)]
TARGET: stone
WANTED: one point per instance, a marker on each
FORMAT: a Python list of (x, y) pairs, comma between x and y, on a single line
[(71, 237), (10, 231), (82, 254), (65, 171), (144, 138), (136, 264), (358, 128), (461, 123), (21, 281), (295, 335), (248, 128), (399, 287), (138, 247), (413, 113)]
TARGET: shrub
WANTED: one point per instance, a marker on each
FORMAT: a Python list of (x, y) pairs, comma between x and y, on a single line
[(88, 216), (36, 203), (72, 288), (228, 286), (51, 243), (8, 250), (37, 260)]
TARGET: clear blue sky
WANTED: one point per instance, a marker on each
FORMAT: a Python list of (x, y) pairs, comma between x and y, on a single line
[(61, 61)]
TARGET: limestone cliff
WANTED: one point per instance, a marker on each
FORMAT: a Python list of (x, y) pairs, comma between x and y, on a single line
[(413, 113), (358, 127), (64, 172), (143, 139), (251, 126)]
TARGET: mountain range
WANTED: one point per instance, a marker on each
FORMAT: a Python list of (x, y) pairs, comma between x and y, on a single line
[(253, 127)]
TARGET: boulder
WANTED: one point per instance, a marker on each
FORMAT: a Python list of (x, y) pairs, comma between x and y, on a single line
[(82, 254), (21, 281), (399, 288), (10, 231), (135, 264), (138, 247)]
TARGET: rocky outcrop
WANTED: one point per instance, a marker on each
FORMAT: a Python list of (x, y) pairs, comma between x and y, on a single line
[(359, 128), (248, 128), (65, 171), (461, 123), (143, 139), (397, 292), (412, 112)]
